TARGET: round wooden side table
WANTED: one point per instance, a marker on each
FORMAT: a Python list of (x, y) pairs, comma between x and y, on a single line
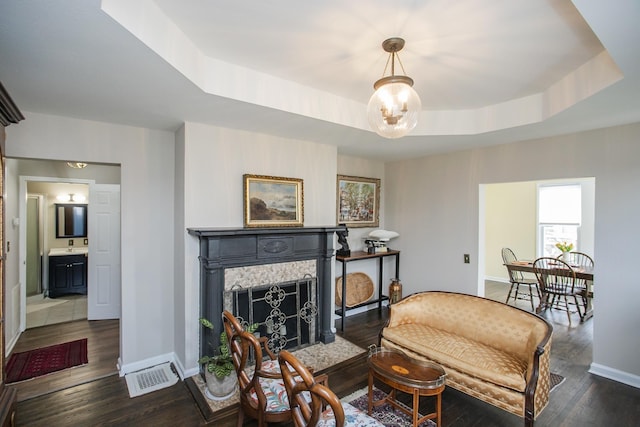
[(402, 373)]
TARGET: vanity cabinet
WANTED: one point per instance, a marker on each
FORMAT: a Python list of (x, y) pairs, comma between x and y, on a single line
[(67, 275)]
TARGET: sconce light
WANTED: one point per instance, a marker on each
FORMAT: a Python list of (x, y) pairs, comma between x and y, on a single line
[(71, 198), (77, 165)]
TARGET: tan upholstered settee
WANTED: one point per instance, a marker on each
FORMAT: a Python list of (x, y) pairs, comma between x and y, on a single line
[(489, 350)]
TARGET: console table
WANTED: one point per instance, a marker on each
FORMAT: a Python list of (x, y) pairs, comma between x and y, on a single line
[(357, 256)]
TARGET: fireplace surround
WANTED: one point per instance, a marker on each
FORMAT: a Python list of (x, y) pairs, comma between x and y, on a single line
[(228, 248)]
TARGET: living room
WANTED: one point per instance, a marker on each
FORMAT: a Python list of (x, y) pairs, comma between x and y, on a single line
[(193, 178)]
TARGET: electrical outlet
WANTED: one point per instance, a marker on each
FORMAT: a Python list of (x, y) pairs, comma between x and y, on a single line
[(70, 242), (466, 258)]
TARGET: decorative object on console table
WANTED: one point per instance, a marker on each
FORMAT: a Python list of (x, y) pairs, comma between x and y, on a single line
[(271, 201), (358, 201), (395, 291), (342, 241), (377, 241), (359, 289)]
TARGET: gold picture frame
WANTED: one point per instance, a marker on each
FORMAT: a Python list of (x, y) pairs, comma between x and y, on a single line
[(358, 201), (271, 201)]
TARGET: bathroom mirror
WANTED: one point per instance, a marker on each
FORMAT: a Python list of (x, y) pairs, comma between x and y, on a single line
[(71, 220)]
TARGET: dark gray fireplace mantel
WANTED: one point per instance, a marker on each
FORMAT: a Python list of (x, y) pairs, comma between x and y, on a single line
[(222, 248)]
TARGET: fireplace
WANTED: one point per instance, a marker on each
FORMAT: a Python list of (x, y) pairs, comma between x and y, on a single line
[(244, 270)]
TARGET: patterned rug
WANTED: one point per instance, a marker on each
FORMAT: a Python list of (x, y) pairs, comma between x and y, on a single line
[(555, 381), (386, 414), (391, 417), (42, 361), (320, 356)]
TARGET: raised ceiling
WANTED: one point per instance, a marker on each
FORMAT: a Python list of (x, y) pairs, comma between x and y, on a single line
[(487, 71)]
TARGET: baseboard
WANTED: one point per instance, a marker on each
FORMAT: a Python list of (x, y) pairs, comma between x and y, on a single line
[(146, 363), (615, 375), (497, 279), (11, 344), (185, 373)]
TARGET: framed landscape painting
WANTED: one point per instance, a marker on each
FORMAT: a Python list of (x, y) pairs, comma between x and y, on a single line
[(271, 201), (358, 201)]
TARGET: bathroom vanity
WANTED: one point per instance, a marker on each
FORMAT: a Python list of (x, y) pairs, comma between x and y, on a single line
[(67, 271)]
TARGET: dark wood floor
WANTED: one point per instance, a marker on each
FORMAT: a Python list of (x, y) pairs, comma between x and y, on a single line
[(583, 399)]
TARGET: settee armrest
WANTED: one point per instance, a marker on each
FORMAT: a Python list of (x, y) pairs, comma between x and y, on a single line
[(537, 391)]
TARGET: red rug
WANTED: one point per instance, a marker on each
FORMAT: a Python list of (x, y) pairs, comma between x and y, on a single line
[(42, 361)]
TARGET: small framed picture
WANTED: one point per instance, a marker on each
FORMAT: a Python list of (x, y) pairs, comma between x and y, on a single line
[(358, 201), (271, 201)]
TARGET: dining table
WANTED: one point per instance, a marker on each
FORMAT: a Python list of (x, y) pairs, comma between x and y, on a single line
[(582, 273)]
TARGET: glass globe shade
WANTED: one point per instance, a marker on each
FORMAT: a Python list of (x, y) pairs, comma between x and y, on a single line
[(393, 109)]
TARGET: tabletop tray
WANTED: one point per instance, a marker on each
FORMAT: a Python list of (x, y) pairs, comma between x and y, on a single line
[(376, 352)]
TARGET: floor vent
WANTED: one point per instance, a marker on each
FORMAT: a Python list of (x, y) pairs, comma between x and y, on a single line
[(150, 379)]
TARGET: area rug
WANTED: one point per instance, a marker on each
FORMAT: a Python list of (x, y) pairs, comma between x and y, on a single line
[(555, 381), (42, 361), (320, 356), (391, 417), (386, 414)]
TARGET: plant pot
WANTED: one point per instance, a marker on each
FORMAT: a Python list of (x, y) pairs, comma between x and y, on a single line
[(566, 256), (220, 389)]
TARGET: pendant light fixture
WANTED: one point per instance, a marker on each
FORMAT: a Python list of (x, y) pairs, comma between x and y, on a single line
[(394, 107)]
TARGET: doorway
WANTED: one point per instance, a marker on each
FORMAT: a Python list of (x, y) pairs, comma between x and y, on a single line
[(50, 183), (47, 248), (509, 217)]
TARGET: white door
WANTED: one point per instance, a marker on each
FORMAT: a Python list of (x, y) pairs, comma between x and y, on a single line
[(103, 287)]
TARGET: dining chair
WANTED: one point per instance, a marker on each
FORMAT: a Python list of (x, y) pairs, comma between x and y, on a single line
[(311, 400), (263, 395), (581, 260), (517, 279), (557, 280)]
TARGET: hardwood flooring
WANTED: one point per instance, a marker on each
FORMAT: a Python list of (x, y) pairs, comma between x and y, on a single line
[(582, 400), (103, 349)]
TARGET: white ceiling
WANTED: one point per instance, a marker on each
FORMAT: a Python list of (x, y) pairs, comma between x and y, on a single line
[(487, 71)]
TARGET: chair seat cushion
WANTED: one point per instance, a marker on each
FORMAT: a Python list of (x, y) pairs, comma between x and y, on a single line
[(352, 417), (461, 353), (273, 388)]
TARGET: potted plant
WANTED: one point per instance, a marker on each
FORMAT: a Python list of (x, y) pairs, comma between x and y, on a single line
[(219, 370), (565, 248)]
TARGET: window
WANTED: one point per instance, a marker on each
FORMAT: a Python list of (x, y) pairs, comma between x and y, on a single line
[(559, 216)]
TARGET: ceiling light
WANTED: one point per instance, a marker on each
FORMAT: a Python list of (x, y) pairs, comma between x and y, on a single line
[(77, 165), (394, 107)]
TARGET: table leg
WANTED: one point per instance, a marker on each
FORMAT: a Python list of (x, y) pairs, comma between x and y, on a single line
[(344, 294), (416, 407), (438, 412), (370, 401), (544, 301)]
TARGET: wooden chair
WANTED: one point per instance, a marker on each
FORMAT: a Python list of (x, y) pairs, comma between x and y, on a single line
[(312, 402), (262, 392), (581, 260), (518, 279), (557, 280)]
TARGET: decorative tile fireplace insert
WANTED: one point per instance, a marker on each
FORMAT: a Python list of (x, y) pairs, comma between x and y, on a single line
[(223, 249)]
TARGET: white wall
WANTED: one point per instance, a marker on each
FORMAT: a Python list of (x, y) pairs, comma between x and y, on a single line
[(146, 159), (437, 216), (215, 160)]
